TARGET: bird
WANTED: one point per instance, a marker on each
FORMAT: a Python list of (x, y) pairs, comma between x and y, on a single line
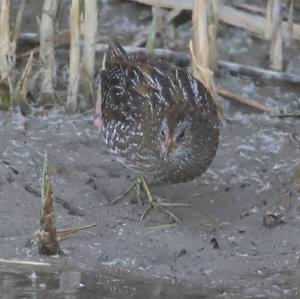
[(157, 119)]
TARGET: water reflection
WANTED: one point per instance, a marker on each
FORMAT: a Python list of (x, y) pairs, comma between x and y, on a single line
[(75, 285)]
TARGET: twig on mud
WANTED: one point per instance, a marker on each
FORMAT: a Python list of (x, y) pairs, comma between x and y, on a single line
[(70, 231), (286, 114), (24, 262), (257, 72), (243, 100)]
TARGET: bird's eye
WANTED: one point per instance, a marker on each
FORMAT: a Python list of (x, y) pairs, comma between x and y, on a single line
[(181, 135)]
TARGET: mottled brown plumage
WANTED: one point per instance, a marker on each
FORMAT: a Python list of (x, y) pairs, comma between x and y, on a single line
[(158, 119)]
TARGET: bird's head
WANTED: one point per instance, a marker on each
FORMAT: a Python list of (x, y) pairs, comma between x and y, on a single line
[(175, 133)]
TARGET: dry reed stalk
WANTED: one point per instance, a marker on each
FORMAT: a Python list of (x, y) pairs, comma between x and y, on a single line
[(268, 27), (297, 176), (252, 23), (276, 49), (163, 28), (213, 32), (74, 57), (289, 36), (213, 47), (235, 17), (200, 48), (5, 98), (24, 85), (61, 38), (250, 8), (98, 114), (171, 15), (18, 23), (5, 46), (47, 234), (206, 76), (257, 72), (178, 4), (46, 237), (243, 100), (6, 57), (154, 27), (25, 79), (89, 49), (200, 35), (23, 262), (183, 59), (47, 52), (70, 231)]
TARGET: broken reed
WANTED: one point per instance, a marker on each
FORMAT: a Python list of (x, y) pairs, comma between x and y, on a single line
[(265, 22), (81, 69), (269, 27), (6, 53), (47, 52)]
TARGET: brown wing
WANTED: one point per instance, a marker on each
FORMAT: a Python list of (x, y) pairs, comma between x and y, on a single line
[(138, 83)]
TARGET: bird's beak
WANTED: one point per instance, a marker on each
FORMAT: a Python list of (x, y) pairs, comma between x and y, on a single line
[(170, 145)]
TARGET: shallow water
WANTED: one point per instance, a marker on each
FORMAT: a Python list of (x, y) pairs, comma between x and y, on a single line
[(76, 285), (72, 284)]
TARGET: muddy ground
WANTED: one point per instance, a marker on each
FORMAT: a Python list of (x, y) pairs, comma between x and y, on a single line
[(251, 176), (239, 238)]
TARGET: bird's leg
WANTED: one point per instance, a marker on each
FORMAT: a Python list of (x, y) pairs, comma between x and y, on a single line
[(135, 186), (138, 191), (157, 202), (153, 201), (149, 196)]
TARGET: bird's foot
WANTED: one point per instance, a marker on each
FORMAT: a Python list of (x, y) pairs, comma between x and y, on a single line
[(153, 201), (162, 204)]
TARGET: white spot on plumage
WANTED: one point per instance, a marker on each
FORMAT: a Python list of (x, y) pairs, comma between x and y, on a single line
[(135, 143)]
